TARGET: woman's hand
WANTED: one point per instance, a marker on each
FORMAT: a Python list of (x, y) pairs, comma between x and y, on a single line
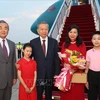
[(32, 88), (86, 71), (27, 90), (87, 85), (61, 55), (66, 65)]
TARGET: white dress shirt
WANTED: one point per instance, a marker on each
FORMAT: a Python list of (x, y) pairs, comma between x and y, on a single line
[(46, 42), (6, 44)]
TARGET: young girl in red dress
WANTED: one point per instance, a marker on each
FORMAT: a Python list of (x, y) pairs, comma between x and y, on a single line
[(27, 75), (74, 42)]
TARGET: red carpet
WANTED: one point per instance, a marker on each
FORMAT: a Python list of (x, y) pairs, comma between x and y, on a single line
[(56, 95), (81, 16)]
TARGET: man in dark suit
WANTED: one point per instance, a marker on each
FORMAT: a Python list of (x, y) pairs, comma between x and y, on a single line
[(7, 63), (48, 65)]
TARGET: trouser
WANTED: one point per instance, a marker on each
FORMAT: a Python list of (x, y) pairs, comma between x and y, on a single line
[(94, 85), (5, 94), (19, 53), (44, 85)]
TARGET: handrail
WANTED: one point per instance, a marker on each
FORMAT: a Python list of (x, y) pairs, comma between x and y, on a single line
[(63, 12), (56, 18), (95, 8)]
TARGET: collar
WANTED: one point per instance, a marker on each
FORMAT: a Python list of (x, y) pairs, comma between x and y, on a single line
[(43, 39), (73, 42), (2, 39), (95, 49)]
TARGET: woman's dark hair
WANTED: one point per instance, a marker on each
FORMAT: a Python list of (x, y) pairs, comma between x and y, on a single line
[(78, 39), (27, 45)]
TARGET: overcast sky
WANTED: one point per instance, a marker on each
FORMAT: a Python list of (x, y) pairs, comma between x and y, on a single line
[(20, 14)]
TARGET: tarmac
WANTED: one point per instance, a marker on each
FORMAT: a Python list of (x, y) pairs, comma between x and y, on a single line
[(15, 89)]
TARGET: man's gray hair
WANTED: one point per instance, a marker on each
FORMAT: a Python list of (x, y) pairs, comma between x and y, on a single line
[(43, 22), (2, 21)]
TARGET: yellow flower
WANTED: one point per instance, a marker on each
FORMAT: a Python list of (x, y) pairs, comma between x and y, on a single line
[(69, 51), (82, 60), (74, 59)]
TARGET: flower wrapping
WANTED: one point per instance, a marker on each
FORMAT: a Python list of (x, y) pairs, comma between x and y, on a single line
[(73, 60), (62, 80)]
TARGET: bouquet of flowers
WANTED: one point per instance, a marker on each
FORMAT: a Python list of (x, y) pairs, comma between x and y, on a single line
[(73, 60), (76, 59)]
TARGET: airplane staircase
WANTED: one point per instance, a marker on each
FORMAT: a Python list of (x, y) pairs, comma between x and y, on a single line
[(82, 16)]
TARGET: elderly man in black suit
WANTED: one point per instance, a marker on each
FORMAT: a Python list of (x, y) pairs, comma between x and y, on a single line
[(45, 53)]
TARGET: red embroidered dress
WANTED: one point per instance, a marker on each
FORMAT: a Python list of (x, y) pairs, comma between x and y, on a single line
[(77, 90)]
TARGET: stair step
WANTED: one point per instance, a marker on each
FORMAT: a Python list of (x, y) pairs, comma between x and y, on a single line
[(87, 43), (84, 38), (81, 14), (79, 24), (79, 21), (82, 30), (87, 47), (80, 18), (84, 34), (88, 7)]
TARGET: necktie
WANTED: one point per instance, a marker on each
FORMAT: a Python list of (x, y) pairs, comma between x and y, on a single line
[(44, 47), (5, 49)]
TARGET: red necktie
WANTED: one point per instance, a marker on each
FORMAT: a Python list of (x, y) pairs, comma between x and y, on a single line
[(44, 47), (5, 49)]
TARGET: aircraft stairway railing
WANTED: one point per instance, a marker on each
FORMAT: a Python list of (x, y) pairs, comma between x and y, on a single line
[(96, 12), (57, 26)]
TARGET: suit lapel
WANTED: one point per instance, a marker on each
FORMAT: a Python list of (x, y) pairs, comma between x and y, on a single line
[(10, 47), (48, 47), (1, 50), (40, 46)]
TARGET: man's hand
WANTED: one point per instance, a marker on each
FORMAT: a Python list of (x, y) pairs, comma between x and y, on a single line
[(14, 81)]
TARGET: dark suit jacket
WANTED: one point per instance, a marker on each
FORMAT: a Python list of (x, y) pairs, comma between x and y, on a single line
[(7, 67), (46, 66)]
